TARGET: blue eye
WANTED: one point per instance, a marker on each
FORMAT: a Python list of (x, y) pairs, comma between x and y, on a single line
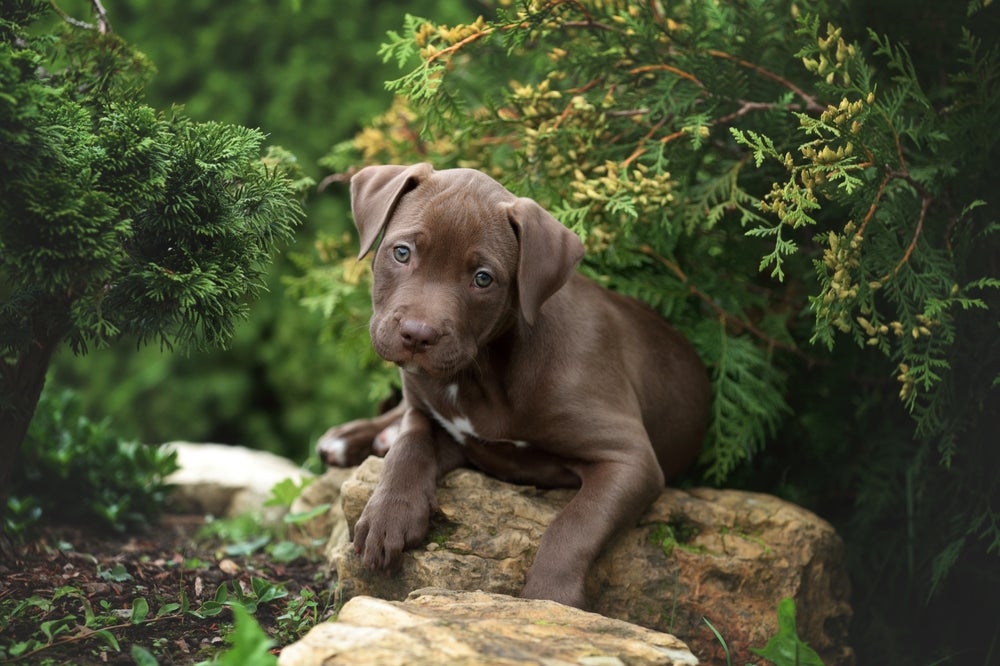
[(401, 253), (482, 279)]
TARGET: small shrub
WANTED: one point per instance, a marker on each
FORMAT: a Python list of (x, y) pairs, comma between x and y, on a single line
[(76, 469)]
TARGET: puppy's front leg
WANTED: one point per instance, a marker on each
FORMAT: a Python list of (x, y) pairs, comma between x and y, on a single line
[(613, 495), (398, 513)]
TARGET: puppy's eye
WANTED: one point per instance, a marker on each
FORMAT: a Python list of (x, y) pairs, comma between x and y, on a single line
[(401, 253), (482, 279)]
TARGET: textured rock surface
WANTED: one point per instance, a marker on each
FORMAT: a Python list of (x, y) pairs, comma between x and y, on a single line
[(434, 627), (226, 480), (724, 555)]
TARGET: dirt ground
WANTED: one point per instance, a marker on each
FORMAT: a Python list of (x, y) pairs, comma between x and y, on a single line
[(65, 592)]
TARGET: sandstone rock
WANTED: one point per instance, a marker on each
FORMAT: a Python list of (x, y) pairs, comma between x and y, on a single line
[(225, 480), (722, 555), (434, 627)]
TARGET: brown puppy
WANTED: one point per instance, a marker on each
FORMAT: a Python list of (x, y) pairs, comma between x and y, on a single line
[(513, 362)]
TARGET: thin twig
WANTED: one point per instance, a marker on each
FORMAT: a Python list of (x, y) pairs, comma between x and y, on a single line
[(745, 108), (811, 103), (76, 23), (639, 149), (925, 203), (458, 45), (103, 24), (871, 209), (667, 68), (723, 315)]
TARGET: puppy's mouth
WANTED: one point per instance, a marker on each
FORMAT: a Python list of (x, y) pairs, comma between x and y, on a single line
[(411, 367), (423, 365), (439, 363), (441, 358)]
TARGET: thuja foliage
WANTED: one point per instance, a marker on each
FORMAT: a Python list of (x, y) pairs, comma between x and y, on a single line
[(115, 218), (807, 200)]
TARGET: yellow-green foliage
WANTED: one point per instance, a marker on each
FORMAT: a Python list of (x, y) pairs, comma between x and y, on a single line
[(671, 135), (805, 199)]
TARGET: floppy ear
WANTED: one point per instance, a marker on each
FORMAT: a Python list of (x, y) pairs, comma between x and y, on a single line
[(549, 253), (375, 191)]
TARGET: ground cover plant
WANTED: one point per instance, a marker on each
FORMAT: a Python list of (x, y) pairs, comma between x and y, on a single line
[(186, 592), (102, 571)]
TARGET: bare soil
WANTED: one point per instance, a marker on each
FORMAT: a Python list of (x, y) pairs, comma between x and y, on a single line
[(75, 572)]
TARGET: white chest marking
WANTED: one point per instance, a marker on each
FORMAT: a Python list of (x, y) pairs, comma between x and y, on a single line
[(460, 427)]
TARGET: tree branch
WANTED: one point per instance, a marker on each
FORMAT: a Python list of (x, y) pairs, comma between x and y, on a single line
[(103, 24)]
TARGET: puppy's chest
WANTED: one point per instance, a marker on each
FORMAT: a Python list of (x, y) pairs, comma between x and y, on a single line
[(471, 417)]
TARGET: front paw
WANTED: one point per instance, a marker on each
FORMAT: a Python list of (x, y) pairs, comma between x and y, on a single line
[(388, 525), (555, 586)]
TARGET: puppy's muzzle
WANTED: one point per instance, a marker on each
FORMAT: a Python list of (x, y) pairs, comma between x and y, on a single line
[(417, 336)]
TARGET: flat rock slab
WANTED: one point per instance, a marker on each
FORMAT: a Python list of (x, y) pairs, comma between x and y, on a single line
[(727, 556), (434, 626), (225, 480)]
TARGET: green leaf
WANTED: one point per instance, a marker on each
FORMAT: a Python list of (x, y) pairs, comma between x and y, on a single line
[(140, 609), (208, 609), (266, 591), (108, 638), (167, 609), (143, 657), (286, 551), (52, 628), (305, 516), (250, 645), (786, 648), (116, 574), (722, 641), (286, 491), (249, 547)]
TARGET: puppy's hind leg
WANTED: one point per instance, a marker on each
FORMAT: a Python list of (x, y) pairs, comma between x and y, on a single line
[(348, 444)]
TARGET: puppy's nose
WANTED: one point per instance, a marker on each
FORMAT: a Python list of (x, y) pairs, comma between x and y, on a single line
[(417, 335)]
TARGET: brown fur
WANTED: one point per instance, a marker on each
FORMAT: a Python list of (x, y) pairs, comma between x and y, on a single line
[(544, 376)]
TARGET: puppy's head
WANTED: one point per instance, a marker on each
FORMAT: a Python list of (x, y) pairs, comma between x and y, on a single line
[(460, 260)]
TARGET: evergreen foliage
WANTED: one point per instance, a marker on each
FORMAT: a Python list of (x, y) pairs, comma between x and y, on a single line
[(117, 219), (309, 74), (810, 203)]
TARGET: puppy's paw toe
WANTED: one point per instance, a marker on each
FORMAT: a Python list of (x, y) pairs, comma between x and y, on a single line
[(387, 526)]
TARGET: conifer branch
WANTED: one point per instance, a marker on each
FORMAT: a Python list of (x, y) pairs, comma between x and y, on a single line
[(458, 46), (874, 205), (729, 319), (811, 103), (667, 68), (925, 203)]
